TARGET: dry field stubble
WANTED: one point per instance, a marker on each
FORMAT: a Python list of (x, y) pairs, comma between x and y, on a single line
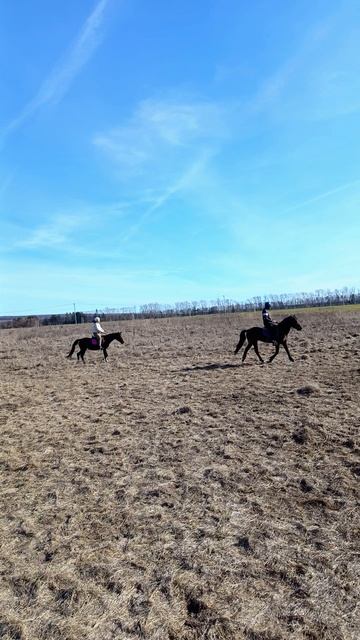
[(174, 493)]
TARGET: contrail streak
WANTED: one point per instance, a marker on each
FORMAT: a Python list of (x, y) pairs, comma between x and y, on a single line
[(62, 75), (323, 196)]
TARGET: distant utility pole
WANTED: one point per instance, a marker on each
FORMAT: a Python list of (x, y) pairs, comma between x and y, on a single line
[(75, 318)]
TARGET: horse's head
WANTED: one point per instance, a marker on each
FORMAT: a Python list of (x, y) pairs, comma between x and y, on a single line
[(119, 337), (294, 323)]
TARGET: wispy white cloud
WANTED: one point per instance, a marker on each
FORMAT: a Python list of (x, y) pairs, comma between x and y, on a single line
[(164, 148), (76, 230), (56, 85), (54, 233), (159, 128), (320, 80)]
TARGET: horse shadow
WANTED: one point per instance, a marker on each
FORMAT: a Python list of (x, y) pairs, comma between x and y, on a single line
[(210, 367)]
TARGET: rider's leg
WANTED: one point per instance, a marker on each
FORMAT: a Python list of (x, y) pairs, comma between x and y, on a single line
[(274, 334)]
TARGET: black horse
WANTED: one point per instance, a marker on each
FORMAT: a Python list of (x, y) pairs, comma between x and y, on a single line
[(89, 343), (280, 333)]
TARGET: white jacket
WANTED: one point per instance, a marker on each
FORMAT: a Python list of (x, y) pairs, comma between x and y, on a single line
[(97, 328)]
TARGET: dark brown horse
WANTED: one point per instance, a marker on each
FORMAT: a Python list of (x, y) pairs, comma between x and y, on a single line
[(278, 336), (93, 345)]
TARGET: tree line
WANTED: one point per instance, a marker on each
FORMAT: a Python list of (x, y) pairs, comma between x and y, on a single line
[(318, 298)]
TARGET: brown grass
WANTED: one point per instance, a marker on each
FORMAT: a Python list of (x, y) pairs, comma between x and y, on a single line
[(174, 493)]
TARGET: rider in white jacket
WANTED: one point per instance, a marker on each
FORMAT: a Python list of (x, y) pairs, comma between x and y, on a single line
[(97, 330)]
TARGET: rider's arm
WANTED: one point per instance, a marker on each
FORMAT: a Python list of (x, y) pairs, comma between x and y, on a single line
[(268, 322)]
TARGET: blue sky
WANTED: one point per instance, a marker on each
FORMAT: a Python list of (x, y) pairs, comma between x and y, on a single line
[(167, 151)]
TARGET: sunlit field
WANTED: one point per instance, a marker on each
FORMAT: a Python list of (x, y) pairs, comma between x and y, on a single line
[(175, 493)]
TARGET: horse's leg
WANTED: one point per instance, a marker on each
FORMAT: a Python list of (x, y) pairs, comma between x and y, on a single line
[(248, 346), (105, 353), (81, 354), (277, 347), (257, 352), (284, 343)]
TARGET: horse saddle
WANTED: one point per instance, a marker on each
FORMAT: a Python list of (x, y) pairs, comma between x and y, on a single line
[(95, 342), (270, 334)]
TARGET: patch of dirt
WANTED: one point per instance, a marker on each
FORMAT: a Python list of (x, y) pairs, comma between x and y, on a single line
[(309, 390)]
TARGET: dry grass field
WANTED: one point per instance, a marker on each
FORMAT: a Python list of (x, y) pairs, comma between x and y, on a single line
[(176, 494)]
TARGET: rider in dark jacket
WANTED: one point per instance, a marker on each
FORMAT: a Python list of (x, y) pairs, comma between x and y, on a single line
[(269, 324)]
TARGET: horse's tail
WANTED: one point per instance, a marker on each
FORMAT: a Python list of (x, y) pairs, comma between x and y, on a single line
[(72, 349), (241, 341)]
